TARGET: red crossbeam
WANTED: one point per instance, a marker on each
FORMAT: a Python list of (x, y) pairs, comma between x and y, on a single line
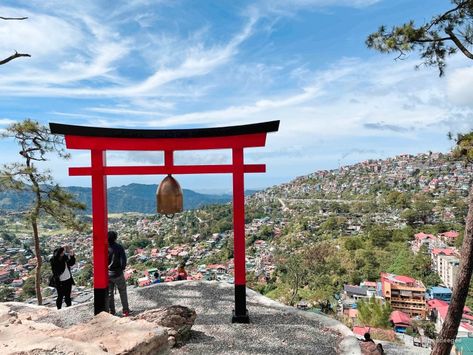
[(163, 170), (110, 143)]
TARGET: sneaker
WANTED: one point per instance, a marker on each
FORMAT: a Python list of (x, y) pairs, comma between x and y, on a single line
[(126, 313)]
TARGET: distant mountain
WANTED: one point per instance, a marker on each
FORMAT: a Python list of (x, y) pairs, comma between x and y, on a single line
[(129, 198)]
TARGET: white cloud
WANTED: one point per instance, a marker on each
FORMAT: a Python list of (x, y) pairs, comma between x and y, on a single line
[(101, 51), (125, 111), (199, 61), (50, 40), (326, 3), (289, 7), (42, 36), (460, 84), (6, 121), (353, 100)]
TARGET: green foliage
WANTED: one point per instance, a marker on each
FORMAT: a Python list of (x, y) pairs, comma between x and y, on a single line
[(370, 267), (374, 313), (427, 326), (29, 287), (314, 273), (397, 199), (265, 232), (353, 243), (422, 268), (380, 236), (464, 147), (435, 40), (6, 293), (459, 240), (410, 216), (85, 276), (423, 206), (403, 235), (333, 224), (421, 210)]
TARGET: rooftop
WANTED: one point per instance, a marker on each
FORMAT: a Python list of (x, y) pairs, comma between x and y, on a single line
[(401, 280), (436, 289), (401, 318), (445, 251), (450, 234)]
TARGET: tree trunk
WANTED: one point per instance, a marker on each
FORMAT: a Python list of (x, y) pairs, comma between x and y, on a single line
[(39, 261), (34, 224), (449, 330), (295, 291)]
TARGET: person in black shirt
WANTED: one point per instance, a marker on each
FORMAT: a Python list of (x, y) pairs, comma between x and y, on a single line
[(61, 262), (367, 337), (116, 277)]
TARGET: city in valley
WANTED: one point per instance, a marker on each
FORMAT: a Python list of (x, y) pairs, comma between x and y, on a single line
[(333, 231)]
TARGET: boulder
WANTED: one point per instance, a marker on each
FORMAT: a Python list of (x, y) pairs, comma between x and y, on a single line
[(177, 319), (119, 335), (369, 348), (21, 333)]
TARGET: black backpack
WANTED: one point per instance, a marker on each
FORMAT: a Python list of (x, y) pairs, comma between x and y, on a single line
[(114, 260)]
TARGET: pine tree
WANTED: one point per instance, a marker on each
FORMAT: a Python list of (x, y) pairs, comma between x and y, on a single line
[(442, 36), (49, 198), (435, 41)]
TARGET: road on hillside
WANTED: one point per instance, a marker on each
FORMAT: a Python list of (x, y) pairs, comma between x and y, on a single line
[(292, 200)]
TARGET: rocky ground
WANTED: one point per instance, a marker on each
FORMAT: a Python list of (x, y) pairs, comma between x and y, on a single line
[(274, 328)]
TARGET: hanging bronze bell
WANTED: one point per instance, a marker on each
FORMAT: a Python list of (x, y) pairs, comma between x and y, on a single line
[(169, 197)]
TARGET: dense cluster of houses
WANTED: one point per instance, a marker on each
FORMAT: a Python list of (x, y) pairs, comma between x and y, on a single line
[(14, 270), (436, 173), (261, 261), (408, 297)]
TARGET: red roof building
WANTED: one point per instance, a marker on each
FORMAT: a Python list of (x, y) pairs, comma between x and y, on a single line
[(404, 293), (435, 303), (444, 251), (422, 239), (441, 308), (369, 284), (400, 319), (422, 236), (449, 237), (450, 234)]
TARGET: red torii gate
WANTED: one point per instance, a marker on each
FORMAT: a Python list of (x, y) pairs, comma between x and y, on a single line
[(98, 140)]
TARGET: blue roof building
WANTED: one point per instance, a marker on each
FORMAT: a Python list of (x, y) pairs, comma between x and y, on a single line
[(439, 293)]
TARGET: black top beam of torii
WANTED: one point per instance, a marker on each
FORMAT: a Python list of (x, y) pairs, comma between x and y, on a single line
[(72, 130)]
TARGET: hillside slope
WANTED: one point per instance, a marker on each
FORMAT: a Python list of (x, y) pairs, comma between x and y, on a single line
[(128, 198)]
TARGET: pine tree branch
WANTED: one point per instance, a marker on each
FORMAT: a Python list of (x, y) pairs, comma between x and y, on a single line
[(13, 56), (444, 16), (458, 43), (432, 40), (13, 18)]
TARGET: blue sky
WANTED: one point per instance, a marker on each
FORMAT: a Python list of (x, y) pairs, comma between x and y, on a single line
[(179, 64)]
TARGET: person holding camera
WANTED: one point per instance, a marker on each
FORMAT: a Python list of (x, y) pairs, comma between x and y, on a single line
[(61, 262)]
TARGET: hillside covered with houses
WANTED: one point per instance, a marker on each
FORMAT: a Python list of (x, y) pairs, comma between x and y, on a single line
[(387, 230)]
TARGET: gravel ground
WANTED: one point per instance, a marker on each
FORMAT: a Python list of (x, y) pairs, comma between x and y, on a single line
[(274, 329)]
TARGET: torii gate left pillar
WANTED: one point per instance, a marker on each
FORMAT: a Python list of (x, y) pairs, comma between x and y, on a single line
[(98, 140)]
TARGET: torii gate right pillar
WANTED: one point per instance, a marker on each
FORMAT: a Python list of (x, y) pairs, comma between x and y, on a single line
[(240, 313)]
